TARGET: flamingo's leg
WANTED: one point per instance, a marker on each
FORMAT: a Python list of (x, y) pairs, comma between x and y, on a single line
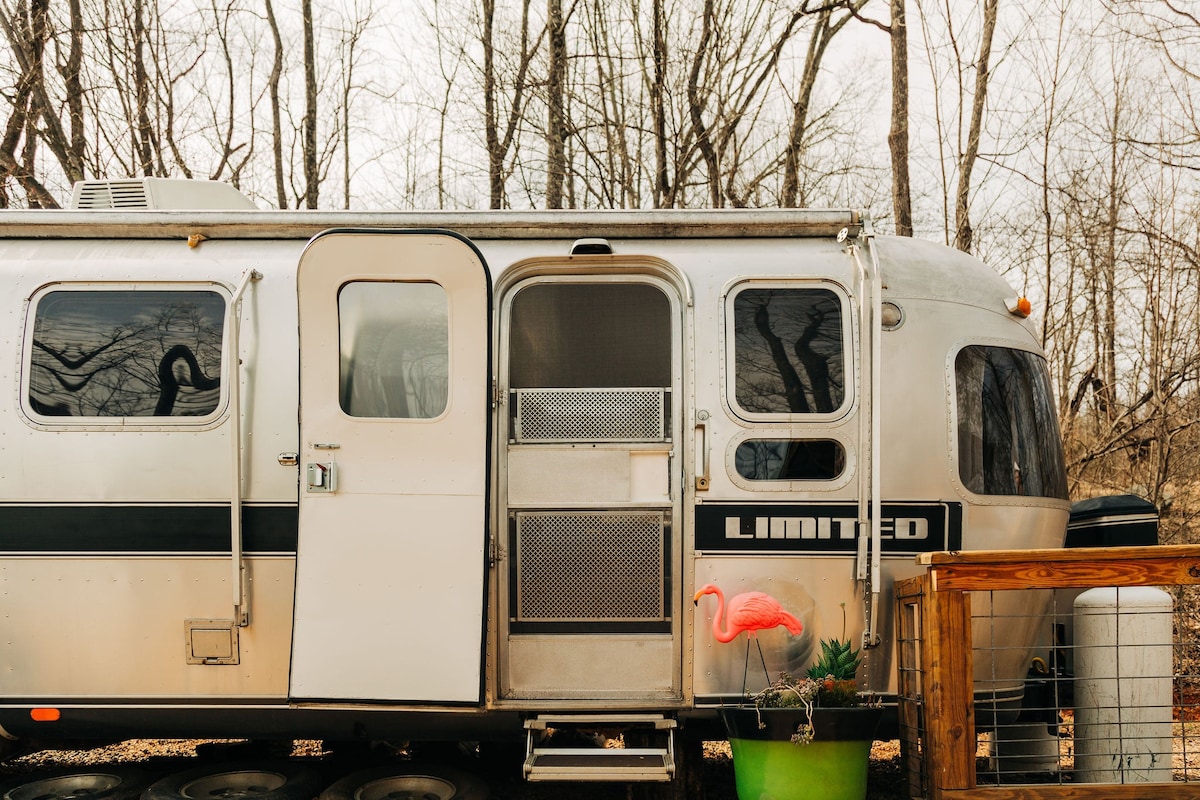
[(746, 664), (763, 659)]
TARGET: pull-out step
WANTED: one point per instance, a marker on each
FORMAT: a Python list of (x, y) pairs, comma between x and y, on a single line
[(600, 763)]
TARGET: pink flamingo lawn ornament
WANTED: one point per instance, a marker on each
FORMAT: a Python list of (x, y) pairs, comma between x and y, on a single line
[(750, 612)]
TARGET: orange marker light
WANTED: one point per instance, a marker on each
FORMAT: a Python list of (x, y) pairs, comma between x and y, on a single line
[(45, 714), (1019, 306)]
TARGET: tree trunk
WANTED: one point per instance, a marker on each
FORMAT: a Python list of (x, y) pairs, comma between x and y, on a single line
[(497, 142), (281, 198), (826, 28), (27, 34), (658, 111), (556, 167), (144, 131), (73, 88), (898, 133), (963, 234), (311, 176), (491, 125), (695, 105)]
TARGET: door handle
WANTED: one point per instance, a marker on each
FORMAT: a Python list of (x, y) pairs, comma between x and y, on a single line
[(322, 476)]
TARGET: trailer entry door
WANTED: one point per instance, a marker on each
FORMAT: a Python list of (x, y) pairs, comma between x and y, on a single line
[(393, 435), (588, 575)]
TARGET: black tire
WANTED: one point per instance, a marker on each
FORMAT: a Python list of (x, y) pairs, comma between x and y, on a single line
[(408, 782), (250, 780), (96, 783)]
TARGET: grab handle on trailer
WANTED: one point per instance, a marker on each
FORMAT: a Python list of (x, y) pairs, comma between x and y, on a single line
[(241, 607), (702, 451)]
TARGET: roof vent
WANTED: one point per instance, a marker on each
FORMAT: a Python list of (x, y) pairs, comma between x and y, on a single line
[(591, 247), (158, 194)]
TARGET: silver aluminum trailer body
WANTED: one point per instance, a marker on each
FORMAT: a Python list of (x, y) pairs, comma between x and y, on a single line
[(468, 467)]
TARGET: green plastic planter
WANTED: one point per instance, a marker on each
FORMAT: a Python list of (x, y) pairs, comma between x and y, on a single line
[(767, 766)]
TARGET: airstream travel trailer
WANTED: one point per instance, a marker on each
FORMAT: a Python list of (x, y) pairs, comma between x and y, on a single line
[(448, 475)]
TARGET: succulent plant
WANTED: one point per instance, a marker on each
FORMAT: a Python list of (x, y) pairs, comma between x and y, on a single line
[(839, 661)]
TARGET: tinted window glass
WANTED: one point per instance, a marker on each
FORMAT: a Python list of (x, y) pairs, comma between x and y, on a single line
[(126, 354), (788, 351), (789, 460), (1008, 440), (395, 349)]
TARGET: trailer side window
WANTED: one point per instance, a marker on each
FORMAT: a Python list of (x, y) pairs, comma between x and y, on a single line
[(1008, 440), (788, 351), (790, 459), (395, 349), (126, 353)]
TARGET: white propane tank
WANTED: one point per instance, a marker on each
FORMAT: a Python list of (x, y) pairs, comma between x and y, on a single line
[(1123, 685)]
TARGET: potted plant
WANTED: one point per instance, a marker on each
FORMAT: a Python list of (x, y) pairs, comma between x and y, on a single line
[(807, 738)]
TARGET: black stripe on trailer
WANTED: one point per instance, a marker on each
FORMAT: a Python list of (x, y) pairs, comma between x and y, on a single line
[(145, 529)]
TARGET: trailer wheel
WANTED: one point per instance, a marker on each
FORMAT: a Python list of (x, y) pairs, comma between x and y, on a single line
[(407, 782), (100, 783), (280, 780)]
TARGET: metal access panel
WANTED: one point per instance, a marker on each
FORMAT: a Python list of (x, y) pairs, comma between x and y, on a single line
[(590, 567), (590, 415)]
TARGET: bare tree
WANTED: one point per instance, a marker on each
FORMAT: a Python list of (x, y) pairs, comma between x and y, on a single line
[(898, 132), (962, 197), (312, 177), (663, 192), (556, 126), (273, 80), (825, 28), (697, 100), (26, 30), (500, 134)]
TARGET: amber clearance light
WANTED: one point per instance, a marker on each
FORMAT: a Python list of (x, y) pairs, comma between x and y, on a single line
[(45, 714), (1019, 306)]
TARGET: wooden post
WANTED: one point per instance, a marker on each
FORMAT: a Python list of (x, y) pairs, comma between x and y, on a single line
[(950, 699), (916, 762)]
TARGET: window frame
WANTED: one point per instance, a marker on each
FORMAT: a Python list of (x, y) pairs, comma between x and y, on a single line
[(121, 423), (449, 399), (849, 361), (839, 446)]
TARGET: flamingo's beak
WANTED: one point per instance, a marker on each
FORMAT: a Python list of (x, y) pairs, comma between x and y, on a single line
[(696, 599)]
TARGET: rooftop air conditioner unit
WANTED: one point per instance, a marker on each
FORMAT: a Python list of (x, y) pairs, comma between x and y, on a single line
[(175, 194)]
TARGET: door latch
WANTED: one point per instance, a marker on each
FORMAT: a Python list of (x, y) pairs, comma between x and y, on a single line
[(322, 476)]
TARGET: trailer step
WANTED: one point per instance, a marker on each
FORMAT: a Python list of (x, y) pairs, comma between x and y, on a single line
[(629, 764)]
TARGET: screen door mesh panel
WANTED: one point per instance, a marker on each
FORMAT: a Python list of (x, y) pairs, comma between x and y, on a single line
[(590, 415), (590, 567)]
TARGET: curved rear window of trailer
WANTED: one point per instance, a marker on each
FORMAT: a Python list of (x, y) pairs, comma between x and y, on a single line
[(1008, 438)]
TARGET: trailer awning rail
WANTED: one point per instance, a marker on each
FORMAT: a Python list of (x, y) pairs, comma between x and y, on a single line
[(622, 224)]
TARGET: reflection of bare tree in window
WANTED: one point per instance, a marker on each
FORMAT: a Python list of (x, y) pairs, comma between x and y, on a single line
[(788, 351), (126, 354)]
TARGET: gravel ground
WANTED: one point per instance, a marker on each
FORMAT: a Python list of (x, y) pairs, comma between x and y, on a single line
[(156, 758)]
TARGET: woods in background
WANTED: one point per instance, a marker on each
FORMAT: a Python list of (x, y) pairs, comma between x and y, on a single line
[(1059, 141)]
